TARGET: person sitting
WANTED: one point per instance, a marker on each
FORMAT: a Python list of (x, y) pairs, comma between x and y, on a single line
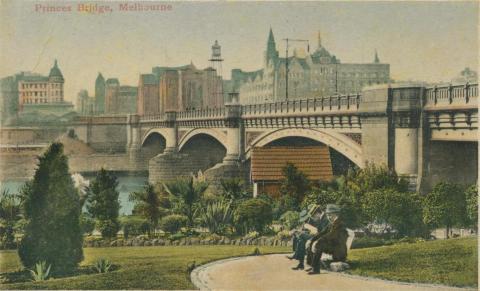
[(299, 254), (317, 222), (331, 240)]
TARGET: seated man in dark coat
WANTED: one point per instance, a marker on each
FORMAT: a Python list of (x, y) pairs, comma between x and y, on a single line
[(299, 254), (333, 240)]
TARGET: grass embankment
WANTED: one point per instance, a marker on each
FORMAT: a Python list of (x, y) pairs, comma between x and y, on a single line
[(139, 267), (450, 262)]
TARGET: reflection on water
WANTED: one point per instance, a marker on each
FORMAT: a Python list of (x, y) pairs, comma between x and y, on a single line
[(126, 184)]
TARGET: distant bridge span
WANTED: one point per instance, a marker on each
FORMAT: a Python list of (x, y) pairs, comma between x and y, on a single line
[(404, 127)]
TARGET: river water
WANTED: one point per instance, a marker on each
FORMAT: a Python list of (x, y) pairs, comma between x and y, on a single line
[(126, 185)]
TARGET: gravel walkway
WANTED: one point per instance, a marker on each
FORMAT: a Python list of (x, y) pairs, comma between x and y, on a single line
[(273, 272)]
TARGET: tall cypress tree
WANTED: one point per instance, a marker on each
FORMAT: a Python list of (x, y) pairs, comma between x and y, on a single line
[(52, 210), (103, 204)]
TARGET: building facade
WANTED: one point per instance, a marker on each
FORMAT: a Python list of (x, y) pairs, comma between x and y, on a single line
[(119, 99), (28, 92), (85, 105), (99, 94), (179, 89), (309, 75)]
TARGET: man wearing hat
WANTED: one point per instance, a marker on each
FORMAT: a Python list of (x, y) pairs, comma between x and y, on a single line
[(331, 240)]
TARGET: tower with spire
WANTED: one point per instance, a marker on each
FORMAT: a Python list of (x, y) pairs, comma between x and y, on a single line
[(100, 94), (271, 55), (376, 60)]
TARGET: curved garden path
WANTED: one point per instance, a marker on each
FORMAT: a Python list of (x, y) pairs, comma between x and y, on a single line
[(273, 272)]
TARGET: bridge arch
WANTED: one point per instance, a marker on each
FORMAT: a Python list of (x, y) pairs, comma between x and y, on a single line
[(220, 136), (165, 133), (337, 141)]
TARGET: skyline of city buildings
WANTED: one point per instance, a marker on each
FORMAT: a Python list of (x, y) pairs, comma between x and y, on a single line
[(179, 88), (309, 75)]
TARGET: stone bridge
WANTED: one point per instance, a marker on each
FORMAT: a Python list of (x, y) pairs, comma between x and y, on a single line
[(425, 134)]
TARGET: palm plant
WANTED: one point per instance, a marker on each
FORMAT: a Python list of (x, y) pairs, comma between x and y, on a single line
[(217, 216), (41, 271), (102, 265), (148, 204), (186, 194), (233, 189)]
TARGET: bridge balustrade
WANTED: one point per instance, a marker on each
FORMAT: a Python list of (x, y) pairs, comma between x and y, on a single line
[(312, 105), (451, 96)]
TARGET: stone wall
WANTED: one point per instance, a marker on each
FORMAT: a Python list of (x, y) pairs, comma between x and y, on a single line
[(199, 154), (456, 162)]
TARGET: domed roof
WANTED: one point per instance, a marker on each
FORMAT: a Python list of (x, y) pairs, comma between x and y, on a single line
[(55, 71)]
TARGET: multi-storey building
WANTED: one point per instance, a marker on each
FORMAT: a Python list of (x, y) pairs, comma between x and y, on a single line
[(99, 94), (119, 99), (85, 105), (28, 92), (317, 74), (178, 89)]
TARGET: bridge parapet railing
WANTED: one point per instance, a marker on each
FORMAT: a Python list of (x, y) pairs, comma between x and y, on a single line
[(451, 96), (207, 113), (153, 117), (339, 103)]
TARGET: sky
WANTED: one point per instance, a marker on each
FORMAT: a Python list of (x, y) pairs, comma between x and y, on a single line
[(425, 41)]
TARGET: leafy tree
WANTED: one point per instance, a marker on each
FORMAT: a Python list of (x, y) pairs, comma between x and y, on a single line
[(216, 216), (103, 204), (52, 210), (444, 206), (471, 196), (173, 223), (148, 204), (186, 195), (402, 211), (295, 183), (10, 215), (253, 214), (358, 182)]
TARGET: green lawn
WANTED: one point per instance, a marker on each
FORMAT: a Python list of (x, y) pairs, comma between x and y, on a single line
[(140, 267), (449, 262)]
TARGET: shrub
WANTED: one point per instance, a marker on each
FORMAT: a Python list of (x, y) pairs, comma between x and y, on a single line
[(233, 189), (290, 219), (41, 271), (177, 236), (134, 225), (103, 204), (102, 266), (216, 216), (253, 214), (173, 223), (295, 183), (52, 209), (9, 217), (87, 224), (108, 228)]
